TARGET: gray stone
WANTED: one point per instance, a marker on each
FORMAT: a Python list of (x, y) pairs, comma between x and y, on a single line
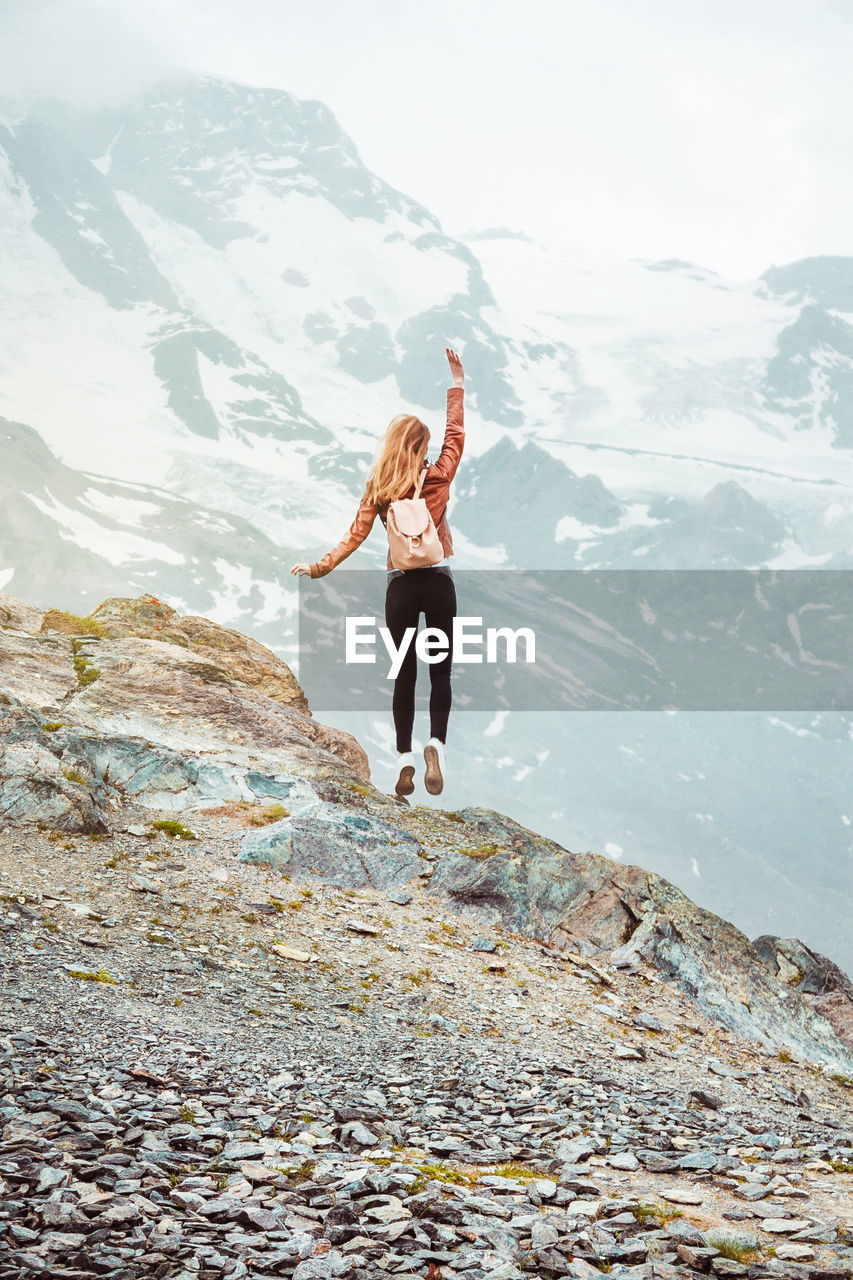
[(623, 1160), (359, 1134), (328, 1265), (790, 1252), (753, 1190), (781, 1226), (572, 1151), (698, 1160), (648, 1020), (705, 1099), (242, 1151)]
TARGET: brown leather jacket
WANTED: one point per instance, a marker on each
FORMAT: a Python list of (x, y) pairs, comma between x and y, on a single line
[(436, 490)]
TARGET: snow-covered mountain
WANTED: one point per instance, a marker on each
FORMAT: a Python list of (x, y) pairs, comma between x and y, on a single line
[(210, 309)]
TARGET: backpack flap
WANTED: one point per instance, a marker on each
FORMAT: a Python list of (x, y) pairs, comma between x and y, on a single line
[(410, 516)]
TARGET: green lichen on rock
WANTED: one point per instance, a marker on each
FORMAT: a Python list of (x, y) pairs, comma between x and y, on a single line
[(173, 828), (481, 850), (93, 975)]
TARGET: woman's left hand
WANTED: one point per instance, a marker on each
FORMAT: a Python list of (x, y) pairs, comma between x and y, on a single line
[(302, 570)]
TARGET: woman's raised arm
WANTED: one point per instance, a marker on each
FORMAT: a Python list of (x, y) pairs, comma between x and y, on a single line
[(454, 434)]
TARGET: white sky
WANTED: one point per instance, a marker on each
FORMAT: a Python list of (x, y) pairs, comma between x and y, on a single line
[(714, 130)]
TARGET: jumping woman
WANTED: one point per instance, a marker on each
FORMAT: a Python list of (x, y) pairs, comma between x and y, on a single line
[(401, 471)]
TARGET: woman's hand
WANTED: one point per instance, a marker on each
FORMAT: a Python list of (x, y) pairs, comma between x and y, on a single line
[(302, 570), (455, 366)]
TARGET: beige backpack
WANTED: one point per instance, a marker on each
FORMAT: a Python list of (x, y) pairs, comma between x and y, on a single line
[(412, 537)]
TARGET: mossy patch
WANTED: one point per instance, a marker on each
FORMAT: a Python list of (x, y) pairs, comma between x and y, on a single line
[(518, 1172), (643, 1212), (439, 1172), (298, 1173), (480, 851), (85, 670), (72, 623), (208, 672), (175, 829), (272, 813), (74, 775), (92, 975), (738, 1250)]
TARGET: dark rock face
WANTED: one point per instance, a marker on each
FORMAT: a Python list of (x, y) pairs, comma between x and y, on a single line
[(534, 886), (798, 965), (827, 988), (32, 780), (351, 849), (827, 279)]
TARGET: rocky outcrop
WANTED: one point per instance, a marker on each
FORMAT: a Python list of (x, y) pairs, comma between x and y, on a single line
[(138, 706), (232, 655), (342, 848), (136, 701), (586, 903), (826, 987)]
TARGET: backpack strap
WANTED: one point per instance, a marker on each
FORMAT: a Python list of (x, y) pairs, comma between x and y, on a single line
[(420, 482)]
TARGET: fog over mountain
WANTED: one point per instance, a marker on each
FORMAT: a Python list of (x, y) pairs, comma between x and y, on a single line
[(210, 310)]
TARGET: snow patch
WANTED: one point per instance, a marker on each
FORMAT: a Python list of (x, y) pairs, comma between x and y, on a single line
[(569, 527), (117, 546), (237, 581), (494, 727), (124, 510), (792, 728)]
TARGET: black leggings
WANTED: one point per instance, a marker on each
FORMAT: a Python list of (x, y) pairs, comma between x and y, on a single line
[(430, 592)]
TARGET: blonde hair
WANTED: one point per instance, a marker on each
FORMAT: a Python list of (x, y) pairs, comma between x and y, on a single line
[(399, 461)]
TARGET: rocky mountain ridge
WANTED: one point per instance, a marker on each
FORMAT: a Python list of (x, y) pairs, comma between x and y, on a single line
[(114, 713), (262, 1019)]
